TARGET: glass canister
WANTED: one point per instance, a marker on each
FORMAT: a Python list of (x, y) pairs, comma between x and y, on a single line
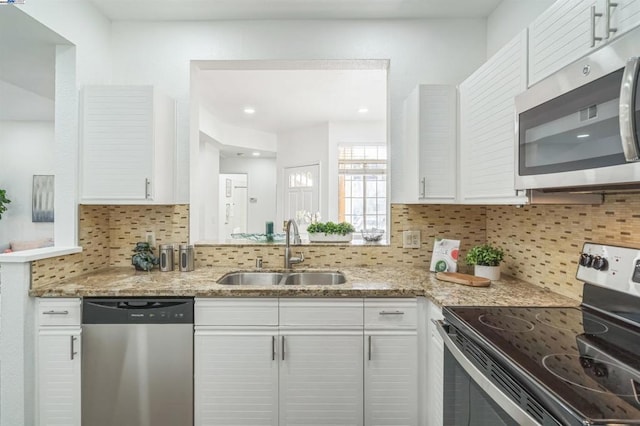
[(165, 251), (186, 256)]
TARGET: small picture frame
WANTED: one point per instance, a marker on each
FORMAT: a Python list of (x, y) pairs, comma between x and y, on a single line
[(42, 198), (228, 187)]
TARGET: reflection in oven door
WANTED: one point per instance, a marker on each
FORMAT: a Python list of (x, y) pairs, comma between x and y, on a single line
[(465, 403)]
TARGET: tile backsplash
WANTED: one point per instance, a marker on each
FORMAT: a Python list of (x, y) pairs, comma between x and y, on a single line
[(541, 243)]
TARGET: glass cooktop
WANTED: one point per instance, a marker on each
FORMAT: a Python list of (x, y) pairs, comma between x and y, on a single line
[(588, 361)]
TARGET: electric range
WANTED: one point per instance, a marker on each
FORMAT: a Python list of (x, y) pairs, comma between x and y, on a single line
[(556, 365)]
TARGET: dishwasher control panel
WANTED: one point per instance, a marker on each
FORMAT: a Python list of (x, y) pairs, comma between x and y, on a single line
[(137, 311)]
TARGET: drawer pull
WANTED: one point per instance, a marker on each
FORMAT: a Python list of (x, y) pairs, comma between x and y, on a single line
[(55, 313), (391, 313), (273, 348), (369, 348)]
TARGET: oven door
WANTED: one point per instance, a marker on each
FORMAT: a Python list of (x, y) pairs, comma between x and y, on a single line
[(472, 399)]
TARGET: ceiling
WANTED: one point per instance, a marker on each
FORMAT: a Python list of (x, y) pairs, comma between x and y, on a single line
[(289, 99), (202, 10), (27, 69)]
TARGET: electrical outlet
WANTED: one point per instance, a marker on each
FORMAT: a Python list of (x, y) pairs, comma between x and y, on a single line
[(150, 237), (411, 239)]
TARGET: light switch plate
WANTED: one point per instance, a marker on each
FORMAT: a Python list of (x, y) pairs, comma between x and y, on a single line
[(411, 239)]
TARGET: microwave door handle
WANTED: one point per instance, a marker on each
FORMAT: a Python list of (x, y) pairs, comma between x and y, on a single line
[(627, 110)]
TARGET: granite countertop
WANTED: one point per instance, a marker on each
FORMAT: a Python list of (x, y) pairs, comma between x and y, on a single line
[(361, 282)]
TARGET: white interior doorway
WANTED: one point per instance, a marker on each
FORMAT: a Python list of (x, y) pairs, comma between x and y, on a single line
[(233, 204)]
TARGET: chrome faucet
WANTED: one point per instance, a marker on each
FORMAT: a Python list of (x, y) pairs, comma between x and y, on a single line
[(288, 259)]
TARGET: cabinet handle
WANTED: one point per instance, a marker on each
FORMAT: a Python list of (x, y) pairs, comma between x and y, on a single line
[(391, 313), (369, 348), (147, 182), (423, 187), (55, 313), (73, 352), (594, 15), (607, 18), (273, 348), (283, 348)]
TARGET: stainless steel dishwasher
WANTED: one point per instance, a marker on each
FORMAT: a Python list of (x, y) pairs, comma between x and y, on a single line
[(137, 362)]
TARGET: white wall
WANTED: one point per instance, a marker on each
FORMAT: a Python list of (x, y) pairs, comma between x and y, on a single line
[(509, 18), (261, 175), (83, 25), (420, 51), (303, 147), (27, 149), (209, 174)]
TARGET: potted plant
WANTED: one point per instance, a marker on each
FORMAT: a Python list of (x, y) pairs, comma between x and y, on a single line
[(330, 232), (143, 259), (3, 201), (486, 260)]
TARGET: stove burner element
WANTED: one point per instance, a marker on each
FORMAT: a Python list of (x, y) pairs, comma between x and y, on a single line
[(590, 374), (571, 319), (506, 323)]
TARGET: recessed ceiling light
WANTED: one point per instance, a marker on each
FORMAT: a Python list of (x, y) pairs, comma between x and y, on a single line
[(363, 110), (249, 110), (255, 154), (583, 135)]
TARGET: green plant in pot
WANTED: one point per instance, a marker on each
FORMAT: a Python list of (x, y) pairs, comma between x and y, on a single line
[(330, 232), (486, 260), (143, 259), (3, 201)]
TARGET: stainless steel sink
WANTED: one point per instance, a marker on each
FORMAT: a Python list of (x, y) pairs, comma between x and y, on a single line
[(315, 278), (284, 278), (251, 278)]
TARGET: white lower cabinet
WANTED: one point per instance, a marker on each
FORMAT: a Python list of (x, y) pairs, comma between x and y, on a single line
[(391, 363), (435, 368), (321, 377), (305, 361), (58, 362), (235, 377)]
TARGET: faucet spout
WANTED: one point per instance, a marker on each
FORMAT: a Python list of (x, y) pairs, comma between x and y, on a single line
[(288, 259)]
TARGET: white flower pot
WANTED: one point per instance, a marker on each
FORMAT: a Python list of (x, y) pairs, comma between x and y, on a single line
[(491, 272), (321, 237)]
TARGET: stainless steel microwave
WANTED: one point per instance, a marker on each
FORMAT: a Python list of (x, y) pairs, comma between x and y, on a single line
[(579, 128)]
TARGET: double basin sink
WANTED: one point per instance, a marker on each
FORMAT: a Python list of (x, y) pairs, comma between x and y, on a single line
[(283, 278)]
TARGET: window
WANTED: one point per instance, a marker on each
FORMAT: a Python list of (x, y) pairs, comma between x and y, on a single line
[(362, 179)]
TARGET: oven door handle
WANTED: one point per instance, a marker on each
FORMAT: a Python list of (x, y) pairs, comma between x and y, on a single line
[(627, 110), (510, 407)]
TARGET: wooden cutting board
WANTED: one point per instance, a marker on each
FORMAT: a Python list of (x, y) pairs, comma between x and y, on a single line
[(464, 279)]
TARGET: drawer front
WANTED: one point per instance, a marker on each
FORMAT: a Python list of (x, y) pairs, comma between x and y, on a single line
[(236, 311), (321, 312), (58, 312), (390, 313)]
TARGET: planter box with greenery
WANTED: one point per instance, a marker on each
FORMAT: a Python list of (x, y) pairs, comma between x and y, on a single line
[(330, 232), (486, 260)]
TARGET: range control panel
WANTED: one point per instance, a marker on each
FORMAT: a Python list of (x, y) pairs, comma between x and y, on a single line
[(613, 267)]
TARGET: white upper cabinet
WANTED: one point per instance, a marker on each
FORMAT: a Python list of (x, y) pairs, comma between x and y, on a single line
[(487, 126), (570, 29), (430, 145), (127, 146)]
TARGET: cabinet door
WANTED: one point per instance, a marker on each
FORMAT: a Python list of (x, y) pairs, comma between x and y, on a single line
[(235, 377), (390, 378), (625, 16), (58, 377), (435, 368), (321, 378), (560, 35), (437, 148), (117, 151), (487, 130), (429, 149)]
